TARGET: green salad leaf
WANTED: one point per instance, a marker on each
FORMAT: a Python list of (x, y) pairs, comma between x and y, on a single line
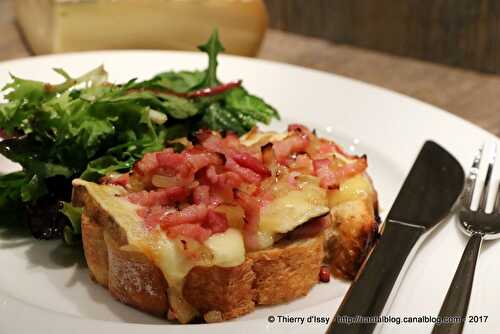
[(88, 127), (213, 47), (74, 215)]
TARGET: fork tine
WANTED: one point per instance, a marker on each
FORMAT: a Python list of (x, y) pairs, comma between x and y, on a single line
[(496, 207), (470, 182), (486, 187)]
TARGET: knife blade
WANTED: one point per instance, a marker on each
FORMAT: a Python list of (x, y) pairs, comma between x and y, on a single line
[(428, 193)]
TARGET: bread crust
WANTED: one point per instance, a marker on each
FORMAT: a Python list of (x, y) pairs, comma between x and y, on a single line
[(95, 249), (356, 228), (134, 280), (226, 290), (288, 270)]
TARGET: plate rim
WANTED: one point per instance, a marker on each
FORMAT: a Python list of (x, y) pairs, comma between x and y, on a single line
[(226, 326)]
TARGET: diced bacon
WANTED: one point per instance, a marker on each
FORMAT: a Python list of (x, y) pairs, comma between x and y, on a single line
[(239, 158), (201, 160), (327, 147), (122, 180), (219, 196), (196, 162), (203, 134), (201, 195), (226, 179), (211, 141), (228, 145), (326, 175), (176, 194), (147, 165), (193, 231), (248, 161), (216, 222), (159, 197), (293, 144), (331, 178), (252, 218), (142, 212), (187, 163), (299, 128), (197, 149), (193, 214), (232, 141), (222, 185), (229, 180), (247, 174), (352, 169), (212, 175), (154, 215), (119, 179), (169, 159), (215, 143), (152, 220)]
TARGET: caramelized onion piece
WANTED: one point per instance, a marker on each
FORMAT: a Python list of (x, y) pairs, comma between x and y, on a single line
[(161, 181)]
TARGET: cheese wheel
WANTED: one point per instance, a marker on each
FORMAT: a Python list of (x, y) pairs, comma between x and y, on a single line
[(52, 26)]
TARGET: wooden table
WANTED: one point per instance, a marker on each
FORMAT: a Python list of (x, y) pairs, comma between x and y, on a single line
[(470, 95)]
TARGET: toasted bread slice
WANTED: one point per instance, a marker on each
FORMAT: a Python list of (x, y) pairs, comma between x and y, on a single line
[(161, 245), (285, 272)]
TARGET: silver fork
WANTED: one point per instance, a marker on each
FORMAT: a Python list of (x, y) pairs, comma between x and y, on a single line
[(480, 226)]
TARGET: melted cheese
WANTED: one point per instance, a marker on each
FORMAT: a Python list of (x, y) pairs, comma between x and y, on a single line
[(294, 208), (354, 188), (261, 138), (228, 248)]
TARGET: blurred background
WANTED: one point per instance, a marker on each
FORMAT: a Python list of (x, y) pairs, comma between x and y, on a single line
[(445, 52)]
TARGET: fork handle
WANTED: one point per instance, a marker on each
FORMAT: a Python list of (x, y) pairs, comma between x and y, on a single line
[(457, 298)]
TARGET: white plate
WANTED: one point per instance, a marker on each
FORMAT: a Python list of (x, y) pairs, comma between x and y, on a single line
[(44, 287)]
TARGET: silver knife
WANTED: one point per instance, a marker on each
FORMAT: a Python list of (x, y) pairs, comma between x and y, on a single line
[(431, 188)]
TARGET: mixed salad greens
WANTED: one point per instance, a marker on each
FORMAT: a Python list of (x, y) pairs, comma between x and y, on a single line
[(88, 127)]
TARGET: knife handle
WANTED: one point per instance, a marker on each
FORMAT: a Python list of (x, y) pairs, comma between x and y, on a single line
[(376, 280)]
